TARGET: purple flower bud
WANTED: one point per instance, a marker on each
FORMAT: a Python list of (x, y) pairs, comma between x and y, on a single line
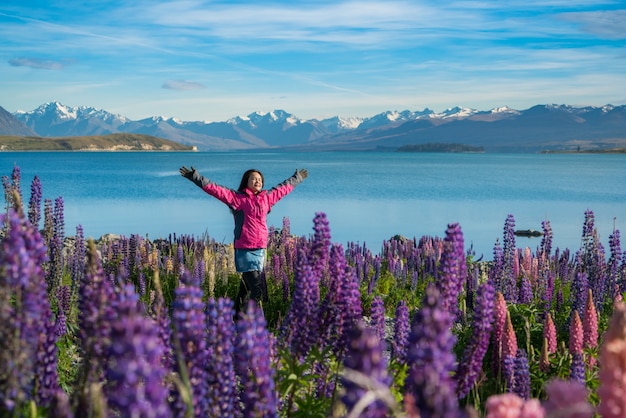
[(401, 333), (431, 359), (365, 372), (222, 391), (188, 321), (378, 317), (134, 375), (253, 364), (471, 363)]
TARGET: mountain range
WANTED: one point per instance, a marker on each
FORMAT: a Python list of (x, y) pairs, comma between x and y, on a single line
[(538, 128)]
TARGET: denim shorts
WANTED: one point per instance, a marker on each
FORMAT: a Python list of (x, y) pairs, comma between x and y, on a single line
[(249, 260)]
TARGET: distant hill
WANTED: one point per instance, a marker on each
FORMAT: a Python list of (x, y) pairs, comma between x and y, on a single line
[(112, 142), (10, 125), (537, 129)]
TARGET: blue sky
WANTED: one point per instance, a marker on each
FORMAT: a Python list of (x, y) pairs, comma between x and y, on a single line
[(213, 60)]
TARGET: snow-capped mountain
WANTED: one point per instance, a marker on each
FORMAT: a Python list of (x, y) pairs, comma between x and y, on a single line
[(499, 129)]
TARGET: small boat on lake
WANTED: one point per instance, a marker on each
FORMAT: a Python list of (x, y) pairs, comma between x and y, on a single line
[(527, 233)]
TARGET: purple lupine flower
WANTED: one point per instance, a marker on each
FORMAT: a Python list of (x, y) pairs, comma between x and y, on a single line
[(378, 317), (222, 394), (94, 303), (365, 370), (509, 258), (24, 312), (546, 240), (162, 320), (134, 376), (614, 280), (335, 313), (526, 291), (579, 290), (522, 375), (34, 204), (471, 363), (77, 263), (431, 359), (320, 245), (400, 333), (568, 398), (496, 272), (577, 368), (188, 321), (253, 364), (612, 361), (453, 268), (60, 327), (301, 326)]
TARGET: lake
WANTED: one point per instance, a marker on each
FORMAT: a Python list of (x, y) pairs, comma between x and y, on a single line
[(368, 197)]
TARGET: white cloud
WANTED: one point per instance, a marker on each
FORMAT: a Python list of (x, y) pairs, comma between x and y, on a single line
[(182, 85)]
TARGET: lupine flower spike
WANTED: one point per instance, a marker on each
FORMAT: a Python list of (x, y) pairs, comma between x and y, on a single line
[(613, 366)]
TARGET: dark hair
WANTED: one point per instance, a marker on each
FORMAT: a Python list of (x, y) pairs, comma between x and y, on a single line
[(246, 176)]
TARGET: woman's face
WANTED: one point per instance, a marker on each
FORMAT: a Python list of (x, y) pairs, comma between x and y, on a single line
[(255, 182)]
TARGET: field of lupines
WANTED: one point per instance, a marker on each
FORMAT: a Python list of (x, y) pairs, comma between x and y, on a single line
[(135, 328)]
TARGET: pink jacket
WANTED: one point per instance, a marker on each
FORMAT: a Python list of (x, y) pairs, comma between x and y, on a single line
[(250, 210)]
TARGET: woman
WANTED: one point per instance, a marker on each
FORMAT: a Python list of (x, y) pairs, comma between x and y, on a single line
[(250, 205)]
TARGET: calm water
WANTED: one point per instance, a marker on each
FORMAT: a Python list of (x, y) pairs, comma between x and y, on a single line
[(367, 197)]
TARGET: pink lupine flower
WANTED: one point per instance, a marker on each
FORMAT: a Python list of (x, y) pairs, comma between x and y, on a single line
[(567, 398), (499, 321), (549, 333), (575, 334), (509, 340), (532, 409), (613, 367), (506, 405), (590, 327)]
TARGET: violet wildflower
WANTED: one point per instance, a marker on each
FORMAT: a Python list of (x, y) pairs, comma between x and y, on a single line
[(320, 245), (94, 303), (378, 317), (34, 204), (509, 254), (526, 291), (496, 272), (188, 321), (612, 361), (365, 379), (253, 364), (134, 376), (615, 279), (27, 338), (567, 398), (577, 368), (522, 375), (400, 333), (579, 290), (471, 363), (301, 326), (431, 359), (222, 393), (546, 240), (453, 268)]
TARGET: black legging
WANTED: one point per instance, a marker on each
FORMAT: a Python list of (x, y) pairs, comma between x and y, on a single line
[(251, 286)]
